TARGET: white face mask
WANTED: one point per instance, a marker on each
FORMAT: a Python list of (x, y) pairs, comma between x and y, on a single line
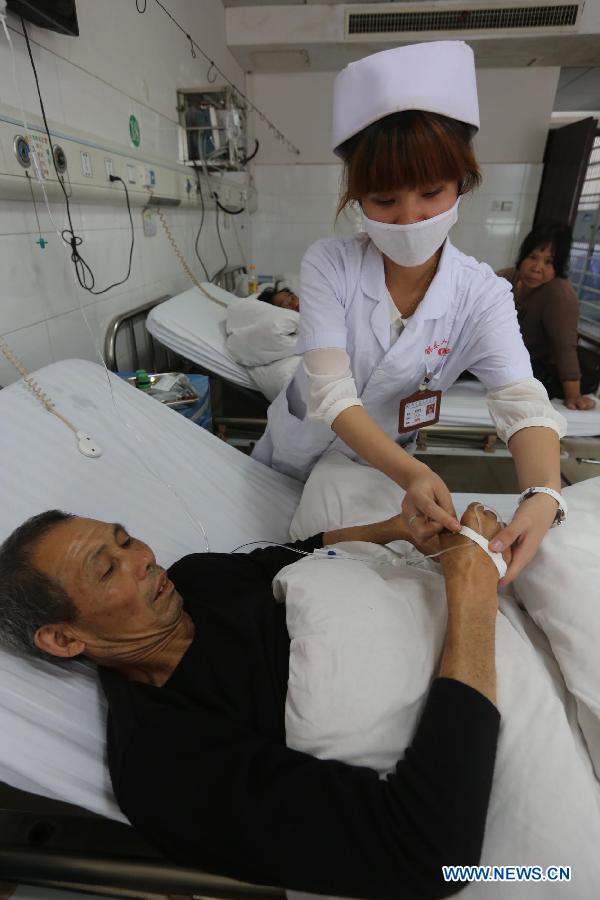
[(411, 245)]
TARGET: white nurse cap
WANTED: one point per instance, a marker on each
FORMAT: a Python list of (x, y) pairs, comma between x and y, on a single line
[(437, 77)]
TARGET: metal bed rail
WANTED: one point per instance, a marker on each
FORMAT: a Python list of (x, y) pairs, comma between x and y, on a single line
[(144, 351), (79, 850), (141, 350)]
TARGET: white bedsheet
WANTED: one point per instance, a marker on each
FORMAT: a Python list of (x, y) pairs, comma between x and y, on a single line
[(194, 326), (464, 404), (52, 722)]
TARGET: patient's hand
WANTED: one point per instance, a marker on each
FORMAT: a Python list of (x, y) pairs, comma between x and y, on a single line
[(400, 531), (472, 596), (469, 565)]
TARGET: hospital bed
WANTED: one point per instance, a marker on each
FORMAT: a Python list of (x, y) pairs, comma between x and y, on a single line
[(174, 485), (193, 326), (129, 345), (465, 415)]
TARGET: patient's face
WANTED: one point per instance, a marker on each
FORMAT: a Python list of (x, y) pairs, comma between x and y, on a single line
[(113, 579), (287, 300)]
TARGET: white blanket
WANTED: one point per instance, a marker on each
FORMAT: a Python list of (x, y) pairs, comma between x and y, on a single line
[(263, 337), (366, 644)]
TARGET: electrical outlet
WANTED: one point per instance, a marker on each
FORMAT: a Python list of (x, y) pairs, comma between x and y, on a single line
[(108, 167), (86, 164)]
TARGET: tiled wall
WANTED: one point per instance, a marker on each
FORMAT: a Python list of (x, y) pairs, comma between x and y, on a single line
[(297, 204), (94, 83), (494, 219), (40, 300)]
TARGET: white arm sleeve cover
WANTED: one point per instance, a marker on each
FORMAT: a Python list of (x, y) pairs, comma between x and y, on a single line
[(523, 404), (331, 385)]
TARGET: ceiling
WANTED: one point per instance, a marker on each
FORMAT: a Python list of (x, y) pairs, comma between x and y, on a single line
[(270, 40), (299, 2), (578, 89)]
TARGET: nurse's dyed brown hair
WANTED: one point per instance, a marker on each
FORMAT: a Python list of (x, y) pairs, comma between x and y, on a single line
[(410, 149)]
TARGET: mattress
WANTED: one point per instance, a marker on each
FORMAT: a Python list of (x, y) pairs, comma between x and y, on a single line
[(194, 326), (464, 404)]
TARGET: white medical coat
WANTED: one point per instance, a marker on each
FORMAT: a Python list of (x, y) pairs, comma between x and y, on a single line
[(467, 320)]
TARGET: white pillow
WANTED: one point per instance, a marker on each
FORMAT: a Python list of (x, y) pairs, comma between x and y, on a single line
[(341, 492), (338, 612), (561, 591)]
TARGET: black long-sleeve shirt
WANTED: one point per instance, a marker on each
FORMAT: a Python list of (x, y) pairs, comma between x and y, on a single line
[(200, 765)]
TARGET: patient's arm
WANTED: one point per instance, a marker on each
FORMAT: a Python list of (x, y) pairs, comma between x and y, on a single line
[(394, 529), (471, 593)]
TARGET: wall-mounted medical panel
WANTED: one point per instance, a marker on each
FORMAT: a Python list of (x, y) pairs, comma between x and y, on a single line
[(86, 163)]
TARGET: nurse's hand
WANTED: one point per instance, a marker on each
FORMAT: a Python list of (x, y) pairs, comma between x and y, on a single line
[(427, 505), (525, 533)]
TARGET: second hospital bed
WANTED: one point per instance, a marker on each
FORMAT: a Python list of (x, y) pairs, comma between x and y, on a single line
[(193, 326)]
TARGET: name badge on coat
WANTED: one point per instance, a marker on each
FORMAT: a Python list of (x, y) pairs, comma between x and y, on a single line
[(424, 406)]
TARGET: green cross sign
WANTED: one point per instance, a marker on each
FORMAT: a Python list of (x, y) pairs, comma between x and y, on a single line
[(134, 131)]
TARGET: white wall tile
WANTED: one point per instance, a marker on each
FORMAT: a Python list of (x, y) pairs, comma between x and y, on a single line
[(70, 337), (500, 177), (32, 347), (532, 178), (36, 283), (94, 84)]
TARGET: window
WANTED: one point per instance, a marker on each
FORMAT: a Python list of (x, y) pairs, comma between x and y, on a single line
[(585, 252)]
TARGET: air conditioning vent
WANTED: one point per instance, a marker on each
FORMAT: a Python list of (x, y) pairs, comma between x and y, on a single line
[(460, 20)]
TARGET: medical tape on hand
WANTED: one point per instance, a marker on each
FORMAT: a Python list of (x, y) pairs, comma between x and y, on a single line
[(477, 538)]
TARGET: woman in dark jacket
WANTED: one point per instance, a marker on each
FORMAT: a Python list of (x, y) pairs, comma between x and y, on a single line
[(548, 312)]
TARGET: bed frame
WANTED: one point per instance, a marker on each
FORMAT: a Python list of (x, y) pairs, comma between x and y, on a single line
[(239, 413), (129, 346), (68, 847)]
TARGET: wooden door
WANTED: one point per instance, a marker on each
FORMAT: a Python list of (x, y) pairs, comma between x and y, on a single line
[(565, 164)]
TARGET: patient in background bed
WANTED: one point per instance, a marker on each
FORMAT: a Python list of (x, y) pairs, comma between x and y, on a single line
[(280, 295), (194, 663)]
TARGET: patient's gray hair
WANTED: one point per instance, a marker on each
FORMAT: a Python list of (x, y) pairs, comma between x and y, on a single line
[(28, 598)]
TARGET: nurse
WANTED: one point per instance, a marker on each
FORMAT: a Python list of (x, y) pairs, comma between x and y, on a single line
[(392, 317)]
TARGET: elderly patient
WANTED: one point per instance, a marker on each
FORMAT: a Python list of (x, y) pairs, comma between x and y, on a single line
[(194, 663)]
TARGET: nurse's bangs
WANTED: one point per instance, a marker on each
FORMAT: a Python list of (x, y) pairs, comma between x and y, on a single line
[(411, 149)]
